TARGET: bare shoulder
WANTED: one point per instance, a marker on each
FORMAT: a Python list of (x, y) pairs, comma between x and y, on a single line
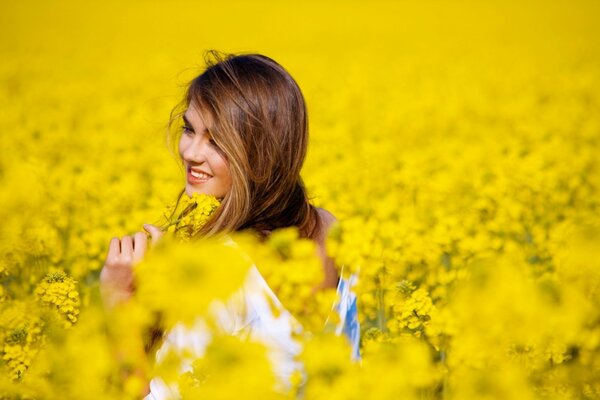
[(327, 219), (331, 274)]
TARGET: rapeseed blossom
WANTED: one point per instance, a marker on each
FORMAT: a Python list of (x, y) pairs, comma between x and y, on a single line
[(21, 337), (292, 269), (185, 218), (228, 356), (181, 279), (60, 292)]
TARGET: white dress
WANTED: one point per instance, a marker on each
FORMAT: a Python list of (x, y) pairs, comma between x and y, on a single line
[(248, 313)]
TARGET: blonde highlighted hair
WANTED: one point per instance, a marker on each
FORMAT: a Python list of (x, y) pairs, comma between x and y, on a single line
[(258, 119)]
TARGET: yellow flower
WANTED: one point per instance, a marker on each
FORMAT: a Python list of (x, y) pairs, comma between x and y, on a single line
[(59, 291), (21, 333), (182, 278), (227, 357), (293, 271), (186, 218)]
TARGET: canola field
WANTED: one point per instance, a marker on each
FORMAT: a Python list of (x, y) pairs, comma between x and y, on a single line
[(457, 143)]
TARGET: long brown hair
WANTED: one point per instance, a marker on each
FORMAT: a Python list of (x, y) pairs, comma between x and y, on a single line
[(258, 119)]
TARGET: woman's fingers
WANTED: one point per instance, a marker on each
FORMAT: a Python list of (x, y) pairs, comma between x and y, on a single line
[(127, 249), (116, 277), (154, 231), (114, 248), (140, 244)]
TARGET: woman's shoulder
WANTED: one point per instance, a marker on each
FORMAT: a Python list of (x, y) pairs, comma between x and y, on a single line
[(326, 216), (327, 220)]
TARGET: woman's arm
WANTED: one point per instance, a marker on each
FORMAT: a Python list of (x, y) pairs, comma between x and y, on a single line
[(117, 287), (116, 277)]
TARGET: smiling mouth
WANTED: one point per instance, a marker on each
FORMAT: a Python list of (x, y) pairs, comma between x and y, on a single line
[(197, 177)]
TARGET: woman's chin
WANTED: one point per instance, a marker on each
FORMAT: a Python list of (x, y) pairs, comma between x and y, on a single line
[(190, 190), (208, 190)]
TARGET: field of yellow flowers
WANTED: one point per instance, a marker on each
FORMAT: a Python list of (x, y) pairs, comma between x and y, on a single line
[(457, 143)]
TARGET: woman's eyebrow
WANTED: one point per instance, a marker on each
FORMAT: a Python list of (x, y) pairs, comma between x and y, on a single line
[(186, 120), (188, 123)]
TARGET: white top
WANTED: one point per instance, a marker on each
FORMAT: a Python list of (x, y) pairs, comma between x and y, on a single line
[(248, 314)]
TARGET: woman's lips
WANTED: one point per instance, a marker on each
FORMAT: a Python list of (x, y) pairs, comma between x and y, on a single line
[(195, 177), (193, 180)]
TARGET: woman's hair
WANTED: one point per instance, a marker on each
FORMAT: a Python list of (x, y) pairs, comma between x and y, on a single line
[(258, 118)]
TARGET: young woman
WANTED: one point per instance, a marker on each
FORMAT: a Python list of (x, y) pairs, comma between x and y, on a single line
[(244, 139)]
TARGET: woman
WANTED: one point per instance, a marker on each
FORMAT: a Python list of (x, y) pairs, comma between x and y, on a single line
[(244, 139)]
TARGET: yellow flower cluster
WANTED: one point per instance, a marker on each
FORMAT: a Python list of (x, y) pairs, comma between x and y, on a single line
[(225, 357), (185, 218), (59, 291), (458, 153), (21, 335), (412, 310), (180, 279), (390, 370), (293, 271)]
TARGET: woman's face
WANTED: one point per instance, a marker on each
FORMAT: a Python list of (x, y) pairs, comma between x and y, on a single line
[(207, 170)]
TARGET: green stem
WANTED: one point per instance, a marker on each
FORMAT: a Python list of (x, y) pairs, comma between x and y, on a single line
[(187, 210)]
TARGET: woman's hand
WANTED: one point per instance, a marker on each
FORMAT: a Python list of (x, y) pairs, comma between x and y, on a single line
[(116, 278)]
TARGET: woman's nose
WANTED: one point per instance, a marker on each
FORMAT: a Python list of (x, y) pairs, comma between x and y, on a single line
[(195, 151)]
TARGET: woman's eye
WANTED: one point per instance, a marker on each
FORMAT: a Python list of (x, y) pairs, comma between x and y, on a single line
[(187, 130)]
